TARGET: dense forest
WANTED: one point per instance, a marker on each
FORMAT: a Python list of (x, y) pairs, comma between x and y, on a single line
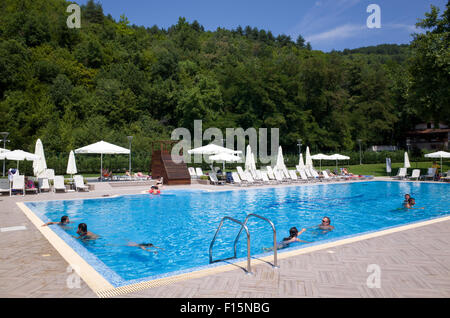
[(110, 79)]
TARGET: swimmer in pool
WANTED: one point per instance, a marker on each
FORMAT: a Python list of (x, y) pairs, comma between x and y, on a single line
[(293, 237), (84, 234), (407, 197), (326, 224), (64, 221), (144, 246), (411, 203)]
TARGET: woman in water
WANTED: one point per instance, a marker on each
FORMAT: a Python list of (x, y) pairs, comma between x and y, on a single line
[(64, 221), (293, 237), (144, 246)]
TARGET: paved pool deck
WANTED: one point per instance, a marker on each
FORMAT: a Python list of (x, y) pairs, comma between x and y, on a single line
[(414, 262)]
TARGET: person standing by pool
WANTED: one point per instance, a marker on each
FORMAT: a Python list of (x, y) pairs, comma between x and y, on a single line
[(64, 221), (326, 224), (84, 234)]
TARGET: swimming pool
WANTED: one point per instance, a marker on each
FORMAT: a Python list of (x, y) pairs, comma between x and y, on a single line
[(183, 222)]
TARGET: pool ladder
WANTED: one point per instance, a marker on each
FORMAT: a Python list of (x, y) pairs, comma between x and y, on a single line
[(244, 227)]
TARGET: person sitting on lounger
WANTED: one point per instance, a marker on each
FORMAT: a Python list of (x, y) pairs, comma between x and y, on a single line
[(144, 246), (84, 234), (64, 221)]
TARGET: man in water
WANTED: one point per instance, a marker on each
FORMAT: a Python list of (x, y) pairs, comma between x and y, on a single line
[(64, 221), (411, 203), (326, 224), (144, 246), (407, 197), (84, 234)]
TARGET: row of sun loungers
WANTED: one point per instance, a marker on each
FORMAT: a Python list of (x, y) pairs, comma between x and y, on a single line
[(18, 184), (273, 176), (415, 175)]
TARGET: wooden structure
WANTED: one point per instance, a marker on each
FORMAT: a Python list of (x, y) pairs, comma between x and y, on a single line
[(163, 164)]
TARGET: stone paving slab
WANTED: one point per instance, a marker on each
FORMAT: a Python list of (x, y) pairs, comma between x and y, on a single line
[(413, 263)]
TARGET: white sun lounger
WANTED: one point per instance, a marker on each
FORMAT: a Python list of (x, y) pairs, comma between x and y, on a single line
[(266, 179), (415, 174), (5, 186), (293, 176), (192, 173), (199, 172), (431, 173), (214, 180), (79, 183), (18, 183), (237, 180), (401, 174), (43, 184), (58, 184)]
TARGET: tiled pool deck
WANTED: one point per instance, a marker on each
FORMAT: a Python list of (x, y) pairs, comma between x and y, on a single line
[(413, 263)]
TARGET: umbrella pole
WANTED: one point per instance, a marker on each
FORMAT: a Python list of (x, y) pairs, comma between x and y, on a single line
[(101, 167)]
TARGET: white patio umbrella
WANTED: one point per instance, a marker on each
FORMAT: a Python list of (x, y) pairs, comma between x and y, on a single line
[(250, 163), (3, 150), (212, 149), (337, 157), (102, 147), (225, 157), (18, 155), (71, 164), (280, 160), (308, 160), (438, 154), (39, 166), (406, 164), (320, 156), (301, 164)]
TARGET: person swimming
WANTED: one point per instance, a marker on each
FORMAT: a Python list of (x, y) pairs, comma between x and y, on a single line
[(407, 197), (84, 234), (293, 237), (64, 221), (326, 224), (144, 246), (411, 203)]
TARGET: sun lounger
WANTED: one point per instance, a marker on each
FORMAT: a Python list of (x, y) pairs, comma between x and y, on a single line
[(30, 187), (214, 180), (415, 174), (303, 176), (79, 183), (5, 186), (270, 173), (43, 184), (58, 184), (265, 178), (279, 177), (250, 179), (18, 183), (401, 174), (237, 180), (431, 174), (199, 172), (293, 176), (326, 177), (192, 173)]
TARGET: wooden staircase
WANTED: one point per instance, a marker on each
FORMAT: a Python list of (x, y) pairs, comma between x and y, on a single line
[(164, 166)]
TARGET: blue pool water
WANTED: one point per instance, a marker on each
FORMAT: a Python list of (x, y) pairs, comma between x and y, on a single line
[(183, 222)]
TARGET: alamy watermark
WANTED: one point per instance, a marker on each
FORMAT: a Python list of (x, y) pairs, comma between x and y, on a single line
[(74, 20), (373, 20), (235, 139), (374, 279), (73, 279)]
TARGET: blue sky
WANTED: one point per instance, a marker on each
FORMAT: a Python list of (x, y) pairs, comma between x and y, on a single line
[(327, 24)]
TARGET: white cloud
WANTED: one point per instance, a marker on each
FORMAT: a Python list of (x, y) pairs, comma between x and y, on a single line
[(340, 32)]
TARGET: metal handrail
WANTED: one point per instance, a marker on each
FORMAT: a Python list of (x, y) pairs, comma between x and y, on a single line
[(275, 257), (243, 226)]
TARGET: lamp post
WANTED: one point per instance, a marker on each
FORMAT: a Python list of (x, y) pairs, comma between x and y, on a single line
[(408, 144), (129, 140), (299, 144), (5, 135), (360, 155)]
